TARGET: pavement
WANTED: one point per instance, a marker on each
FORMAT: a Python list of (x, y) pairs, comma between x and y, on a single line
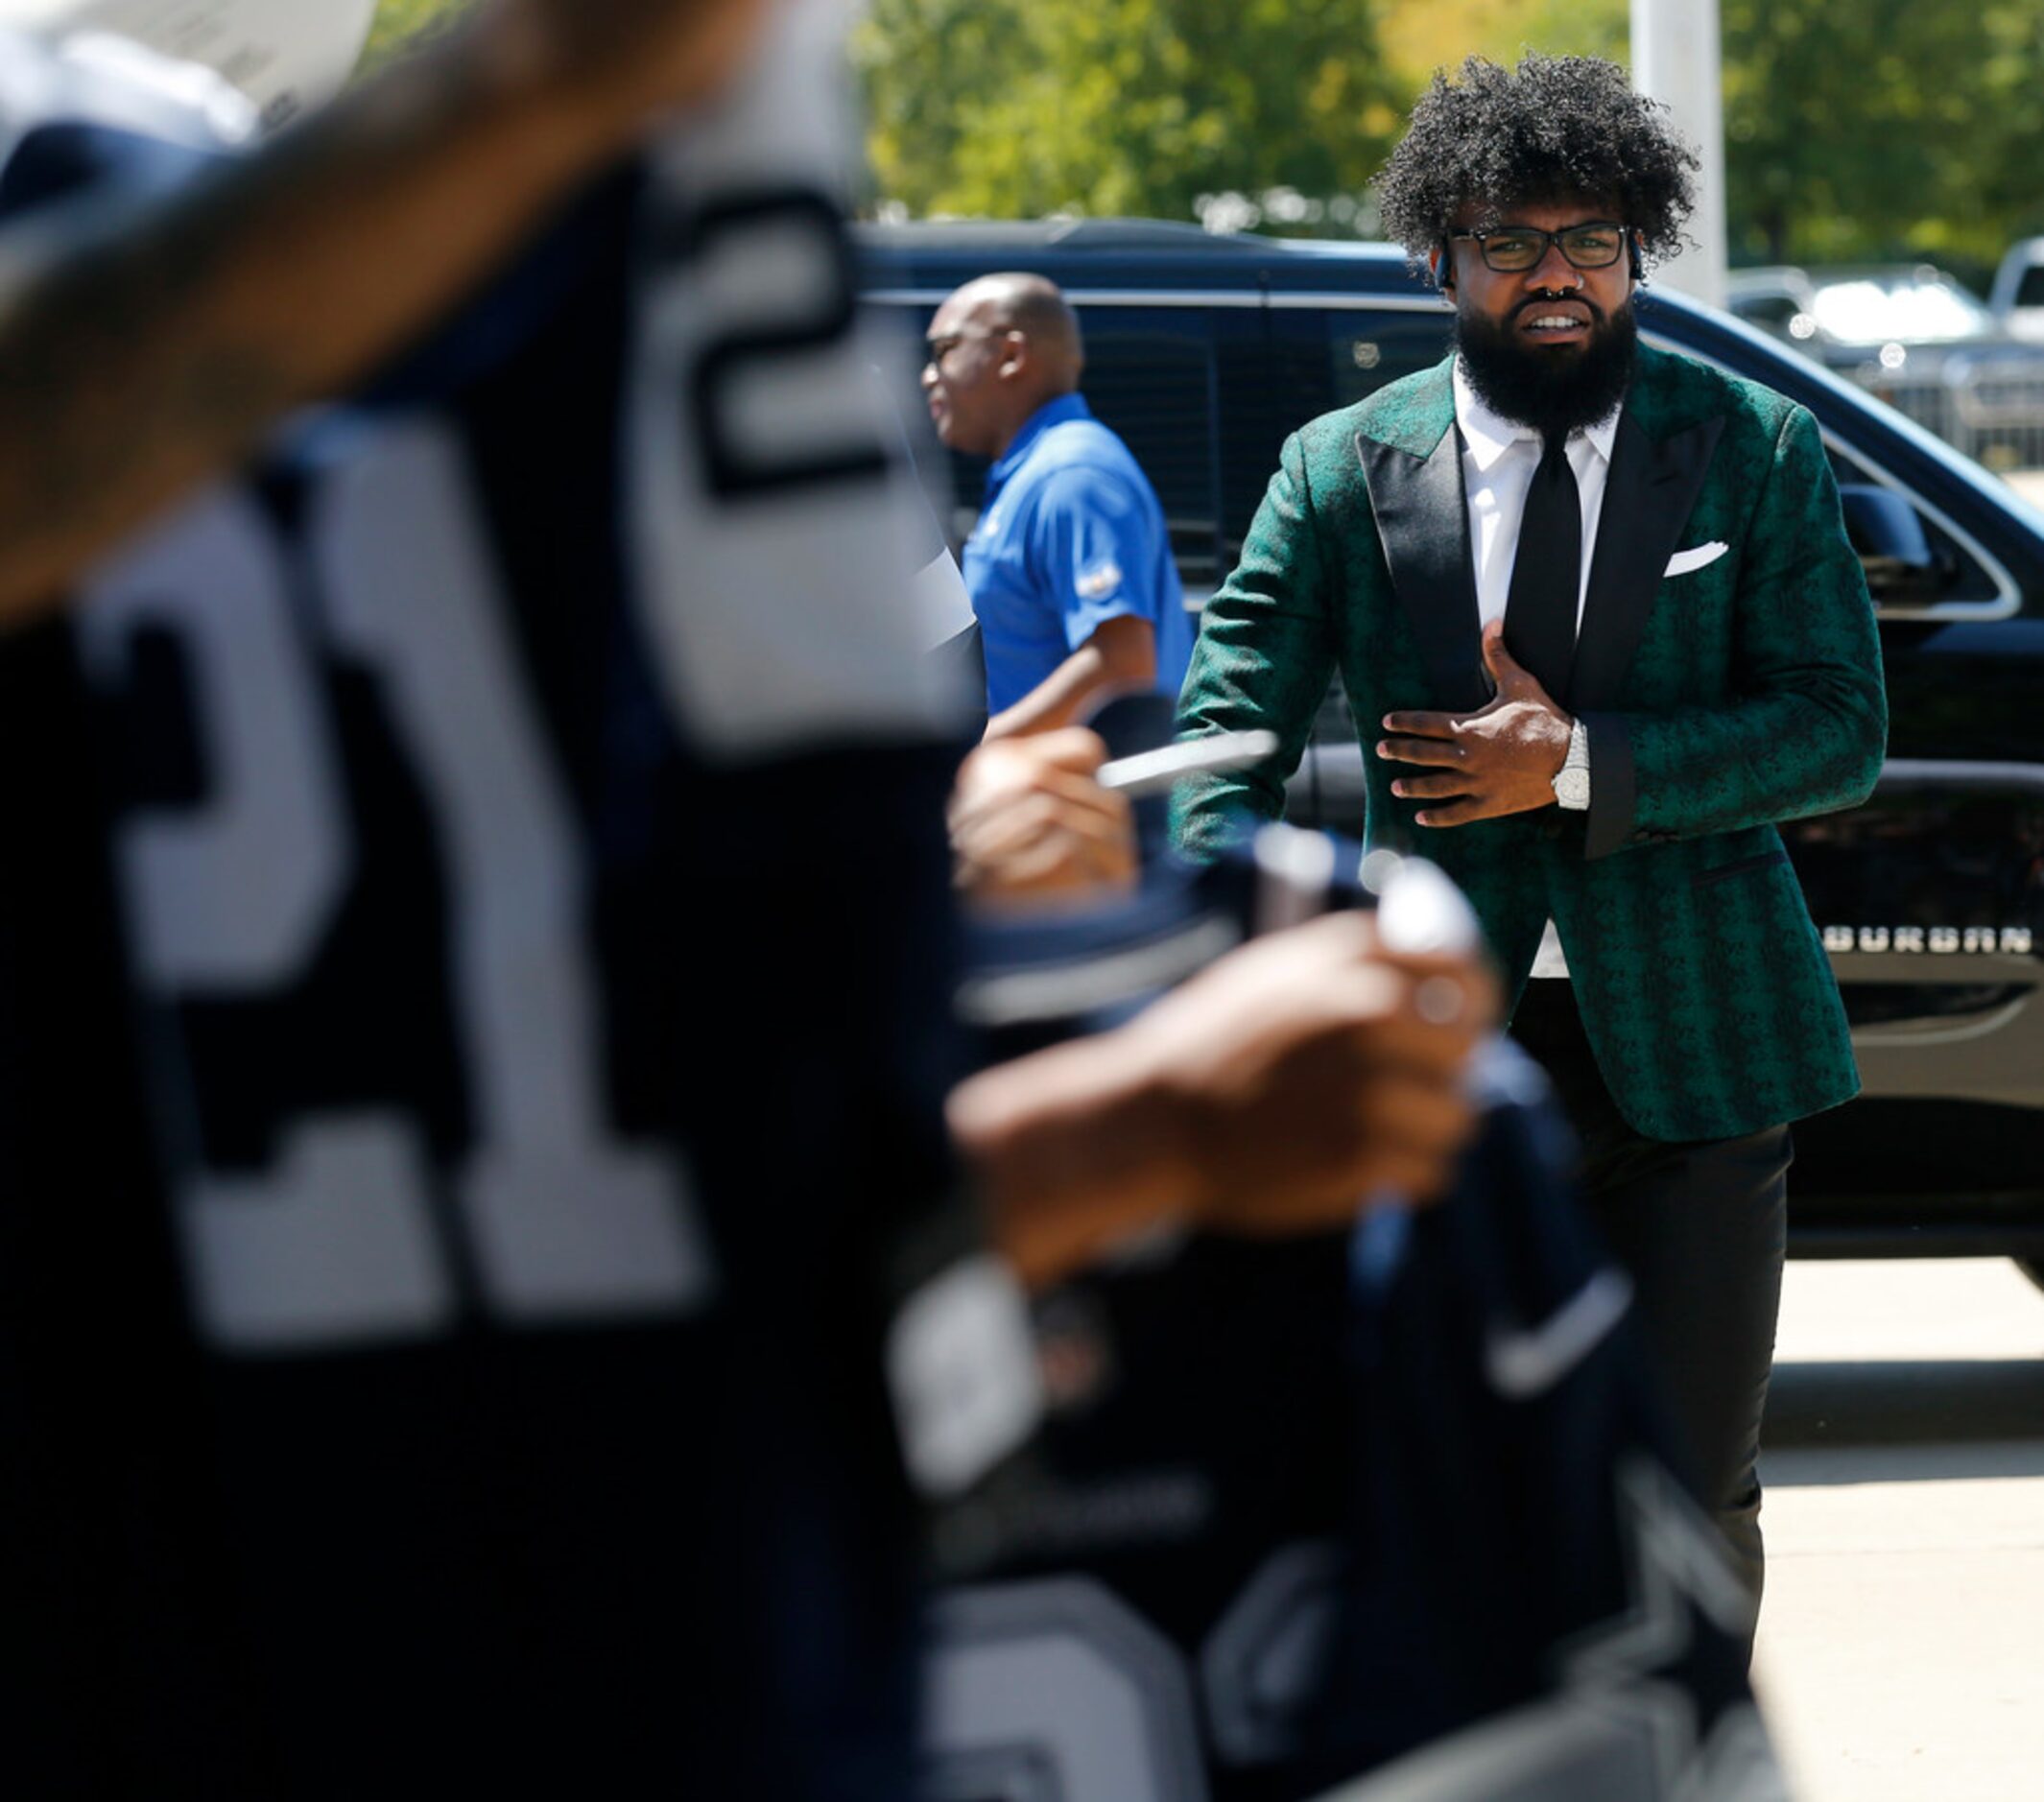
[(1901, 1650)]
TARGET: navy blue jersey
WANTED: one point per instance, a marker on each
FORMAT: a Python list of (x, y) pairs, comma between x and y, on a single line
[(473, 985), (1144, 1613), (1304, 1508), (1539, 1605)]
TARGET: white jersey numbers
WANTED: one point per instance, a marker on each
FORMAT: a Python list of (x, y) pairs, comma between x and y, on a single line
[(341, 1238), (776, 531)]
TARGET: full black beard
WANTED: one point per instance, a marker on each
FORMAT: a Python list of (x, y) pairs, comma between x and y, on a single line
[(1550, 391)]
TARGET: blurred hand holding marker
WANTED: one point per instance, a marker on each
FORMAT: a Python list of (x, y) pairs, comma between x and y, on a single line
[(1045, 817), (1030, 821)]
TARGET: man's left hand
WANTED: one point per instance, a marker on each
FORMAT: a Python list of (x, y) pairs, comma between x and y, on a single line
[(1502, 759)]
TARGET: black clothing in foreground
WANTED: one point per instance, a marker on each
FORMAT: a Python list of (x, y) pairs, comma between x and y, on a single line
[(474, 998), (1305, 1510)]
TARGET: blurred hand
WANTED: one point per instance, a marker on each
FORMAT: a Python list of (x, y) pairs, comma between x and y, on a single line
[(1313, 1069), (1027, 821), (1276, 1092)]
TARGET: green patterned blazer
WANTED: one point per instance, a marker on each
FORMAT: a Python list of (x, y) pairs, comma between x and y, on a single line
[(1739, 691)]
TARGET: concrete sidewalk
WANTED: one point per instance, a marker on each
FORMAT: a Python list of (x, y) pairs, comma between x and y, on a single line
[(1901, 1654)]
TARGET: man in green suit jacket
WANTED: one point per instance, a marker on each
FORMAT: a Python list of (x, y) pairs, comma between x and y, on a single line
[(1600, 629)]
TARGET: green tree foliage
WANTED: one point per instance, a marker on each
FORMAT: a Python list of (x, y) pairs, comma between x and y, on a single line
[(1422, 36), (1874, 129), (401, 24), (1881, 129), (1109, 106), (1878, 128)]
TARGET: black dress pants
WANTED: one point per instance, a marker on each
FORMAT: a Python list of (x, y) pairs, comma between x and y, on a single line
[(1701, 1227)]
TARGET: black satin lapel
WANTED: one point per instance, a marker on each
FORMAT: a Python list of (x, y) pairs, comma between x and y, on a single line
[(1423, 522), (1648, 497)]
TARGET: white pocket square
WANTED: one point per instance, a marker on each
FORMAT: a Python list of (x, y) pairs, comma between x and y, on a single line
[(1683, 561)]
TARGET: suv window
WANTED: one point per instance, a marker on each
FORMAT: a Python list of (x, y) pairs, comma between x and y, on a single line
[(2030, 290), (1307, 361), (1151, 375), (1967, 577), (1366, 350)]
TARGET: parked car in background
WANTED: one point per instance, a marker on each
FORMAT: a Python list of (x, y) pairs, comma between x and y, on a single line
[(1916, 338), (2017, 297), (1204, 350)]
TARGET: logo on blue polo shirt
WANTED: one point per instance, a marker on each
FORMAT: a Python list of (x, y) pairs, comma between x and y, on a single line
[(1100, 581)]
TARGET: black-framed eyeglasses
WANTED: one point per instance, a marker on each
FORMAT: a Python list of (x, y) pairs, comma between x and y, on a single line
[(1514, 250)]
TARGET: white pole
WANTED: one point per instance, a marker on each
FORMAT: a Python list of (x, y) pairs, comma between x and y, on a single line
[(1676, 59)]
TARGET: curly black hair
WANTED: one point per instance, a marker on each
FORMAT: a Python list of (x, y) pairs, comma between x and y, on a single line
[(1555, 128)]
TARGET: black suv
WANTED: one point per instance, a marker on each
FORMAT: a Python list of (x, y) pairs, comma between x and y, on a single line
[(1204, 351)]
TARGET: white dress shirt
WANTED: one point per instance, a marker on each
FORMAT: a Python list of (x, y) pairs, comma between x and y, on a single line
[(1499, 458)]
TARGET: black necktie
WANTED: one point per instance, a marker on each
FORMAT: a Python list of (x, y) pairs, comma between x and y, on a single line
[(1546, 571)]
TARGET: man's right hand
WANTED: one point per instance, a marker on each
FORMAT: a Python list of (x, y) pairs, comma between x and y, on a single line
[(1029, 824)]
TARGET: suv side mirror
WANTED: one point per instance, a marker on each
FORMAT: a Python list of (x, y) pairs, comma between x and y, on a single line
[(1902, 570)]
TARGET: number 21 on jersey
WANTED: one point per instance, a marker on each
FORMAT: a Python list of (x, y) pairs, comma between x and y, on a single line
[(350, 1235)]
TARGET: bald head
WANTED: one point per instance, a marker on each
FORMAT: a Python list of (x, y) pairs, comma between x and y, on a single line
[(1002, 346), (1036, 308)]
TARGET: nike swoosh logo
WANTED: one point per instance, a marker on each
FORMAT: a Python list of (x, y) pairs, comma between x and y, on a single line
[(1521, 1366)]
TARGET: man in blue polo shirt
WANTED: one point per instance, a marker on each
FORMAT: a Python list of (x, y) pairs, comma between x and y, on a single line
[(1069, 567)]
